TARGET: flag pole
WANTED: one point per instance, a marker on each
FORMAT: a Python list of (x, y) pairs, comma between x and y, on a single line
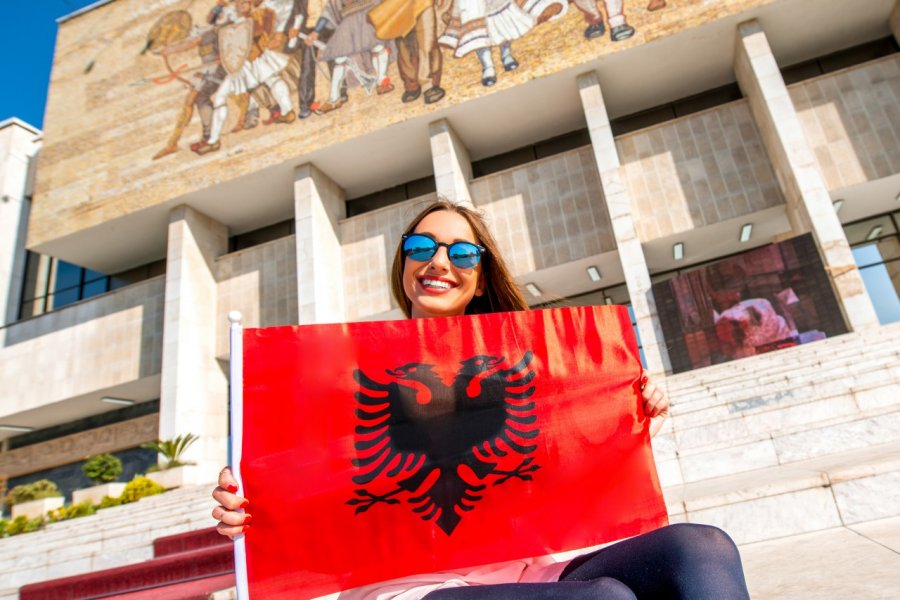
[(236, 393)]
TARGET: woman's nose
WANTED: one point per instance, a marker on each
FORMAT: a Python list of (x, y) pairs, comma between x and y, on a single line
[(441, 258)]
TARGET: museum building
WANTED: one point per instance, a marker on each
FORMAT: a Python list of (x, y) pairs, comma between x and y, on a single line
[(716, 167)]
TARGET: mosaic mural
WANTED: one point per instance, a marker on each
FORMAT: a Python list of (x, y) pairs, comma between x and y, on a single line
[(152, 100), (263, 57)]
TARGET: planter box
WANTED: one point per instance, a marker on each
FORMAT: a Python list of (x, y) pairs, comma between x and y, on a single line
[(37, 508), (95, 494), (178, 477)]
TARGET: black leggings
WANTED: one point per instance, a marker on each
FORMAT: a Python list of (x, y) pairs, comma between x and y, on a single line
[(683, 561)]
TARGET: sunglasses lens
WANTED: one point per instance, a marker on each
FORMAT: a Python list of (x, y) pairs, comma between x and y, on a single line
[(464, 255), (419, 247)]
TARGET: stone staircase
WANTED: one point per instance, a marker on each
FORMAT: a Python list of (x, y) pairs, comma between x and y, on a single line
[(114, 537), (792, 441), (799, 440), (185, 566)]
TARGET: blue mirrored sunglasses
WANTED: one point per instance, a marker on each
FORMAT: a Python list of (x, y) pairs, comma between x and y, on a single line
[(421, 248)]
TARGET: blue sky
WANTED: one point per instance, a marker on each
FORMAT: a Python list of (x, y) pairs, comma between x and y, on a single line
[(26, 44)]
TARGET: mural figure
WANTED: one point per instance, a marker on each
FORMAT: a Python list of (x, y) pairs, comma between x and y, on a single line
[(350, 37), (244, 51), (291, 20), (412, 24), (205, 82), (479, 25), (619, 29)]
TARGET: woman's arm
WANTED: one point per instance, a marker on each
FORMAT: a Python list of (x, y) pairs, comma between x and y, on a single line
[(231, 522), (656, 404)]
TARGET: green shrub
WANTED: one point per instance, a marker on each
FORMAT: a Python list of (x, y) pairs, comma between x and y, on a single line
[(23, 524), (82, 509), (137, 488), (42, 488), (171, 450), (108, 501), (3, 525), (102, 468)]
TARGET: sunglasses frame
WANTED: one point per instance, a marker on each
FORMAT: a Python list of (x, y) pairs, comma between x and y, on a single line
[(437, 245)]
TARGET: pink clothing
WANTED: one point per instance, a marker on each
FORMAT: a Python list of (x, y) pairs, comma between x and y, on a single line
[(526, 570)]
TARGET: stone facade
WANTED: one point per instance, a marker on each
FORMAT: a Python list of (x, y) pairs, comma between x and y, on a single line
[(851, 120), (696, 171)]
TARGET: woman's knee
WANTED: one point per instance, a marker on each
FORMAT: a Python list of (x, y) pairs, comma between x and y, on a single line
[(694, 541)]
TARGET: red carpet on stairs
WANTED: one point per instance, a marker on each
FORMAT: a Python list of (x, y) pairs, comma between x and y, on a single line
[(185, 566)]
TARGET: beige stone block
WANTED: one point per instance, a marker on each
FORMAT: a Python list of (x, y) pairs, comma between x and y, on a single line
[(773, 516), (830, 565), (724, 461), (885, 532)]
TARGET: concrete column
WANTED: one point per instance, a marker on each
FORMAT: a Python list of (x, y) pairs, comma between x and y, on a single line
[(18, 147), (194, 394), (318, 206), (894, 21), (618, 204), (452, 165), (809, 206)]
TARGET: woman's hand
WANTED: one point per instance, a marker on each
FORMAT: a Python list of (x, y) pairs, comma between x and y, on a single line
[(656, 403), (232, 520)]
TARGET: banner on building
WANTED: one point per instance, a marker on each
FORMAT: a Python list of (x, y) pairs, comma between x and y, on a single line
[(370, 451), (765, 299)]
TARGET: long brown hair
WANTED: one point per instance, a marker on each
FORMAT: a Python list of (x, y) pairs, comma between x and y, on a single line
[(500, 291)]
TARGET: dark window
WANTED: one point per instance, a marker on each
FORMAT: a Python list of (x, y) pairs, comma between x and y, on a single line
[(72, 283), (527, 154), (841, 59), (678, 108), (261, 235), (392, 195)]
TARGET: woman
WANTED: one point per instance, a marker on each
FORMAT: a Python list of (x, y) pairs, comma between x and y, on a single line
[(448, 264)]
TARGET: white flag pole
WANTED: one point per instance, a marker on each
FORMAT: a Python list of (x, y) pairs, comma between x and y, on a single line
[(236, 392)]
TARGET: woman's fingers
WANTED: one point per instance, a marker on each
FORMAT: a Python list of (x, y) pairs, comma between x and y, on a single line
[(656, 402), (231, 522), (230, 517), (231, 530)]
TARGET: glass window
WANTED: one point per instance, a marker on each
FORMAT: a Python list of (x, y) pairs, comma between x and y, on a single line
[(876, 250), (67, 276), (95, 288)]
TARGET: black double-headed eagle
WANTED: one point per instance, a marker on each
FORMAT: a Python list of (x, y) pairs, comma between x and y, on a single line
[(442, 444)]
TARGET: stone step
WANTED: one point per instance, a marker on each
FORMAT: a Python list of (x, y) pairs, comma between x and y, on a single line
[(190, 540), (774, 371), (842, 488), (676, 465), (113, 537), (155, 574), (884, 340), (779, 416)]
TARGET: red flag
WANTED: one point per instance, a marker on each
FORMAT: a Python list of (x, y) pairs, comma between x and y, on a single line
[(376, 450)]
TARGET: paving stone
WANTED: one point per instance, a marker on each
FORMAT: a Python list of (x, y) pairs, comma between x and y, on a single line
[(773, 516), (835, 564), (869, 498), (883, 531)]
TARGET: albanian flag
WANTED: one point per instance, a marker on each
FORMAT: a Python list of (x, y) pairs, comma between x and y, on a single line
[(376, 450)]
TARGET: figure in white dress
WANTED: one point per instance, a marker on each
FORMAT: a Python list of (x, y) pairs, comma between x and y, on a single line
[(479, 25), (244, 51)]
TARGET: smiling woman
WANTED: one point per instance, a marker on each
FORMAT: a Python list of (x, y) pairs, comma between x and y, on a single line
[(448, 264), (441, 277)]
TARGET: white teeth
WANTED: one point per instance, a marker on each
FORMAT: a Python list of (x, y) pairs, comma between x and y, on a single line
[(435, 283)]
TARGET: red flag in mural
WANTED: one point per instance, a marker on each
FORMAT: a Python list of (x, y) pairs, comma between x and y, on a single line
[(376, 450)]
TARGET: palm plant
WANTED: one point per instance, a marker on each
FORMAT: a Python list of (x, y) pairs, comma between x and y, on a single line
[(172, 450)]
